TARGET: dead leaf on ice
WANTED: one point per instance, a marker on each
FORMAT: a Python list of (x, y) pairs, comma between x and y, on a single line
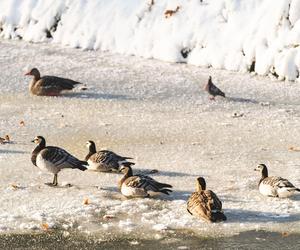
[(108, 217), (86, 201), (45, 226), (294, 149), (15, 186), (4, 140)]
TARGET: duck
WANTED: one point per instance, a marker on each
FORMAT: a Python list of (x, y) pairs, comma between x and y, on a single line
[(212, 89), (274, 186), (205, 204), (48, 85), (105, 160), (53, 159), (133, 186)]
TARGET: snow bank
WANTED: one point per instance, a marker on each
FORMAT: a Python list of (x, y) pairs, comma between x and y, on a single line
[(258, 35)]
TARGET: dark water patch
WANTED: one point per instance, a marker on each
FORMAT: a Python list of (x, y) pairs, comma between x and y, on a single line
[(60, 240)]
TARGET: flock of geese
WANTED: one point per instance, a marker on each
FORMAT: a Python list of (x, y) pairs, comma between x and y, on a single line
[(202, 203)]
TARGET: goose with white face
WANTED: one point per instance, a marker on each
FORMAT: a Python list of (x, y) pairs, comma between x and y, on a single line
[(274, 186), (105, 160), (53, 159), (140, 185)]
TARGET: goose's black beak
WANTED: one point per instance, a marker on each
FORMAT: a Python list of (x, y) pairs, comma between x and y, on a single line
[(32, 141)]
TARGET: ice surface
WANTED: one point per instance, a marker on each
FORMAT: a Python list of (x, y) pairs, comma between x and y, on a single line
[(241, 35), (158, 113)]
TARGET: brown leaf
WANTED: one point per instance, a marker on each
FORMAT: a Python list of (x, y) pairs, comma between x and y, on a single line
[(108, 216), (169, 13), (45, 226), (294, 149), (86, 201), (14, 186), (4, 140), (22, 123)]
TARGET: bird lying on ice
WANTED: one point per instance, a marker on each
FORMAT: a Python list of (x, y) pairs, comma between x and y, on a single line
[(105, 160), (140, 185), (212, 89), (48, 85), (53, 159), (274, 186), (205, 204)]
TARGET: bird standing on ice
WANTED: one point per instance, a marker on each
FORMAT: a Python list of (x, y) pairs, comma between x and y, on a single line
[(104, 160), (212, 89), (274, 186), (53, 159), (139, 185), (205, 204), (48, 85)]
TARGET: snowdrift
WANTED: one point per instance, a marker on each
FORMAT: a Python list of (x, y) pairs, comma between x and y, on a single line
[(242, 35)]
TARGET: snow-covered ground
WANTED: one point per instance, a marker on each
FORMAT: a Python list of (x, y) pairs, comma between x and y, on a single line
[(241, 35), (158, 113)]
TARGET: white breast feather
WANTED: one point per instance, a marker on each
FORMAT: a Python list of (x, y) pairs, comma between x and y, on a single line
[(133, 192), (267, 190), (46, 165), (92, 166)]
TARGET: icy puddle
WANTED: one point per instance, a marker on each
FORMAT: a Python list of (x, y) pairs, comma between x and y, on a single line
[(158, 114)]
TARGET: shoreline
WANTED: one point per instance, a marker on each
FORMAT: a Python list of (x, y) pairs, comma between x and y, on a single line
[(175, 240)]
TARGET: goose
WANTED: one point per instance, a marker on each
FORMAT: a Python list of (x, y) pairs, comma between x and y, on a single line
[(104, 160), (205, 204), (53, 159), (274, 186), (212, 89), (140, 185), (48, 85)]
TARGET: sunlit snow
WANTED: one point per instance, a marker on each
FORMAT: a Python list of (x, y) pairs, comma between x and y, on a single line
[(241, 35)]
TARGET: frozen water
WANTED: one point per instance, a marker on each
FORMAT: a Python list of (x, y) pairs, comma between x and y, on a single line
[(229, 34), (158, 113)]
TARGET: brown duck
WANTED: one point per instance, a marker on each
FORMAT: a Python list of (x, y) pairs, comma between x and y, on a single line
[(205, 204), (48, 85)]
